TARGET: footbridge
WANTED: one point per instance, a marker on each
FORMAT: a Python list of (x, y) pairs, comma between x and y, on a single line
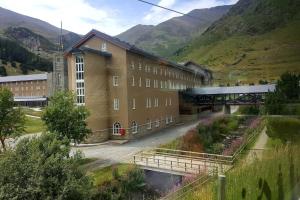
[(182, 162), (236, 95)]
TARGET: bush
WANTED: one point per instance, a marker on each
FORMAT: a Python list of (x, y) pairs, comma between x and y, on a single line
[(121, 187), (249, 110), (42, 168), (285, 129), (3, 71)]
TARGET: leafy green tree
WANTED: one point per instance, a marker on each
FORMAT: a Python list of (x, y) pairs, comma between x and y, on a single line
[(289, 86), (3, 71), (66, 119), (42, 169), (12, 119), (287, 90)]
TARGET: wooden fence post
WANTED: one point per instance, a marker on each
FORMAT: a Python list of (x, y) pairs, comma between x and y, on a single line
[(221, 187)]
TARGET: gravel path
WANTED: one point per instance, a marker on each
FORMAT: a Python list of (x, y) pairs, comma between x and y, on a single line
[(260, 145)]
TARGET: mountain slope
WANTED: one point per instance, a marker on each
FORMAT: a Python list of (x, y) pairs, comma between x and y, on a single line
[(13, 19), (172, 34), (27, 44), (256, 40)]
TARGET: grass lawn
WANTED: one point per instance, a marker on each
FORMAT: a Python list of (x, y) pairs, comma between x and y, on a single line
[(30, 111), (34, 125), (105, 174)]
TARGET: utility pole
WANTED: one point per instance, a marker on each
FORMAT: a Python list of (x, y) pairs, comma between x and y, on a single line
[(221, 187)]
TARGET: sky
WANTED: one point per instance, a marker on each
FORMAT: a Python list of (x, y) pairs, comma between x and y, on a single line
[(109, 16)]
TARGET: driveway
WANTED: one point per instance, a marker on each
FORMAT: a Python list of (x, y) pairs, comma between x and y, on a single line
[(111, 154)]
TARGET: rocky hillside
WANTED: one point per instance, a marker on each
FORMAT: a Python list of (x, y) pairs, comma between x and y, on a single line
[(27, 44), (165, 38), (256, 40)]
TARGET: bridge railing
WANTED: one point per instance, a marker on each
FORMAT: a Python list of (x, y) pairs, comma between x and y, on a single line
[(182, 165), (216, 158)]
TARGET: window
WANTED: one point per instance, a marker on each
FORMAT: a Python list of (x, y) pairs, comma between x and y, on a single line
[(167, 120), (103, 46), (140, 66), (134, 127), (166, 102), (132, 81), (132, 65), (117, 128), (149, 125), (148, 83), (80, 91), (161, 84), (140, 82), (148, 103), (170, 102), (133, 104), (116, 104), (156, 102), (115, 81), (171, 119), (157, 123)]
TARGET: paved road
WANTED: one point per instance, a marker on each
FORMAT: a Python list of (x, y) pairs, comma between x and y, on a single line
[(109, 154)]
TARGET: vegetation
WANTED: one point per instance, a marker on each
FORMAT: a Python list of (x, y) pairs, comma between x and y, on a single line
[(11, 120), (34, 125), (11, 51), (248, 110), (3, 71), (287, 91), (253, 42), (275, 175), (42, 168), (66, 119), (285, 129), (129, 184)]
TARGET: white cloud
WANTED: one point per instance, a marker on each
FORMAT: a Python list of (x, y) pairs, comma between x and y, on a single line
[(157, 15), (77, 15)]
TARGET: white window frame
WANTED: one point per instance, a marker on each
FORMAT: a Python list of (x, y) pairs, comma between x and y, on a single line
[(170, 101), (116, 104), (171, 119), (134, 127), (140, 82), (117, 128), (103, 46), (133, 104), (157, 123), (167, 120), (149, 124), (115, 81), (132, 65), (132, 81), (80, 85), (148, 83)]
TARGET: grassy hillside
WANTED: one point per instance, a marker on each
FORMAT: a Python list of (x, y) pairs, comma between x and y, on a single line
[(256, 40), (165, 38)]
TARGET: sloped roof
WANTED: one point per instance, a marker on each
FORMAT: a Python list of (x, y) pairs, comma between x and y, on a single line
[(234, 90), (32, 77), (127, 47)]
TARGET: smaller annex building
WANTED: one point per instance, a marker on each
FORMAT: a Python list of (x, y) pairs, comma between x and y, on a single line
[(28, 90), (128, 91)]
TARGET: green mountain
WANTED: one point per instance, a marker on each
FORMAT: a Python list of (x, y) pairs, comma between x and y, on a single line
[(27, 44), (165, 38), (256, 40)]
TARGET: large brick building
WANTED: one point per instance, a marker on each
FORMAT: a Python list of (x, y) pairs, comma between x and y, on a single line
[(28, 90), (128, 91)]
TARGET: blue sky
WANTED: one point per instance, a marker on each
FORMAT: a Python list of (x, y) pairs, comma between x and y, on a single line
[(109, 16)]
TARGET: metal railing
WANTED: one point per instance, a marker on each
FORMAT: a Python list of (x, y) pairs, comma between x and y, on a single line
[(181, 165)]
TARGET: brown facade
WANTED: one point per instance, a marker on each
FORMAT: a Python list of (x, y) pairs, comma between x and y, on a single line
[(28, 88), (126, 87)]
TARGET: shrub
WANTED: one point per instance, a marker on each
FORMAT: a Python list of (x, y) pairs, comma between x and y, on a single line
[(284, 128)]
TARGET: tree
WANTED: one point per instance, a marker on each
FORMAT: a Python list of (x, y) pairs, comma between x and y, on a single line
[(3, 71), (289, 86), (41, 168), (66, 119), (287, 90), (12, 119)]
